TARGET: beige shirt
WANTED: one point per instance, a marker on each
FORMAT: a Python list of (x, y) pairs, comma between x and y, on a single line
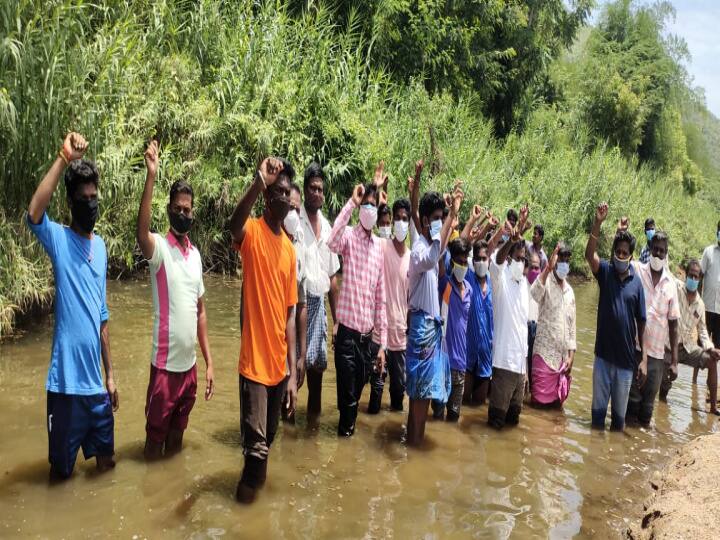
[(556, 320), (692, 321)]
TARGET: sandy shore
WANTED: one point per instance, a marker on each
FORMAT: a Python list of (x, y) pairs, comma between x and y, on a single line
[(686, 498)]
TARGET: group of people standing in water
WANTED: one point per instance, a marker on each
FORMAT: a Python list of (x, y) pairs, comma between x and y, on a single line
[(451, 313)]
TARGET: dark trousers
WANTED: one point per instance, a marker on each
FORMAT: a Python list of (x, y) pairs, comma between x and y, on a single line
[(642, 399), (532, 332), (354, 357), (259, 419), (712, 321), (395, 367)]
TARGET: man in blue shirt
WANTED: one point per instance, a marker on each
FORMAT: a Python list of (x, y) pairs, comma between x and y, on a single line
[(79, 406), (621, 317)]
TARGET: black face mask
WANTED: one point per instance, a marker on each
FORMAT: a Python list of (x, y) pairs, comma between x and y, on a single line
[(180, 222), (85, 214)]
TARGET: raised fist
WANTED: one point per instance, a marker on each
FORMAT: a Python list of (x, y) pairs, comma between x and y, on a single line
[(74, 146)]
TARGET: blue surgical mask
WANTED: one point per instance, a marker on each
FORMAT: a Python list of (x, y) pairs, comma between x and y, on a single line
[(621, 265), (435, 228), (562, 269), (692, 284), (649, 234), (505, 238)]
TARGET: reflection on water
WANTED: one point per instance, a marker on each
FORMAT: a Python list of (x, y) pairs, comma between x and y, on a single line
[(550, 477)]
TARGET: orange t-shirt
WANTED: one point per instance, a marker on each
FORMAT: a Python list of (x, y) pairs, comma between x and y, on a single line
[(269, 289)]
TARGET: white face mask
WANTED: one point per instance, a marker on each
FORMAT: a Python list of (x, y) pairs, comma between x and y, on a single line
[(384, 232), (368, 216), (516, 269), (291, 222), (459, 272), (481, 268), (656, 263), (562, 270), (400, 228), (435, 228)]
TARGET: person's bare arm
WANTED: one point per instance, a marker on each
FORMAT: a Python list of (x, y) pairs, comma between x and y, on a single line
[(144, 238), (290, 336), (477, 216), (267, 174), (301, 321), (674, 328), (73, 147), (642, 368), (456, 200), (107, 365), (591, 255), (205, 348), (504, 251)]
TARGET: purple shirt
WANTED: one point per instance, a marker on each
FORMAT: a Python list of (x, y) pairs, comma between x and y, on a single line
[(455, 309)]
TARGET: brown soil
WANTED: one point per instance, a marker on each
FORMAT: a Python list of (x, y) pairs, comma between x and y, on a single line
[(686, 498)]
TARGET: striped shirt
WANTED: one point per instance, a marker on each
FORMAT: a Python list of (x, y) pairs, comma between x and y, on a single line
[(177, 284), (361, 306), (661, 306)]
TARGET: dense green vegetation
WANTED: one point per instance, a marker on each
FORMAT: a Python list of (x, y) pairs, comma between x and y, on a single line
[(497, 100)]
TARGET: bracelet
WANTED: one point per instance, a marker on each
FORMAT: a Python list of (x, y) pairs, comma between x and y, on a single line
[(593, 236), (61, 155)]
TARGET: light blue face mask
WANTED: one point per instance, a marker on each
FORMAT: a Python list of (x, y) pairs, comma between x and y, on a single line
[(435, 228), (505, 238), (692, 284), (562, 270), (621, 266), (649, 234)]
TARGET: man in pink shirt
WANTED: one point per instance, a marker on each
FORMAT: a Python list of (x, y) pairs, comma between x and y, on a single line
[(663, 313), (396, 261), (180, 320), (361, 306)]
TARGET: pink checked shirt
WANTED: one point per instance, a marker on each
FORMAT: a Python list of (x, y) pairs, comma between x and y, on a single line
[(661, 306), (361, 306)]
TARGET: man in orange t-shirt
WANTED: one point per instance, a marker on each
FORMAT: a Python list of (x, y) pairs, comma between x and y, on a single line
[(267, 348)]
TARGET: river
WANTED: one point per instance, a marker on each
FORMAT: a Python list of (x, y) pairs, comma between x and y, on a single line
[(549, 477)]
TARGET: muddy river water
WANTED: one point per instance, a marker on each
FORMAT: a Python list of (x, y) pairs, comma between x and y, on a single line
[(549, 477)]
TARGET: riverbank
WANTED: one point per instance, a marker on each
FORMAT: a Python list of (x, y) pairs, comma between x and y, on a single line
[(686, 493)]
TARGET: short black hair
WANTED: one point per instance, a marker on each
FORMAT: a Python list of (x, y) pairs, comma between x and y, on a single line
[(512, 215), (294, 187), (540, 230), (430, 202), (314, 170), (564, 250), (660, 236), (649, 223), (181, 186), (401, 204), (624, 236), (370, 189), (518, 245), (288, 169), (459, 246), (78, 172), (383, 209), (692, 262), (479, 245)]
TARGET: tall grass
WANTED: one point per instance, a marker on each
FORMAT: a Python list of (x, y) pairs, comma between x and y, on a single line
[(222, 84)]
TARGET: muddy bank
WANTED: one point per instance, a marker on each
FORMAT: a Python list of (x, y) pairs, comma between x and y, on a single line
[(686, 493)]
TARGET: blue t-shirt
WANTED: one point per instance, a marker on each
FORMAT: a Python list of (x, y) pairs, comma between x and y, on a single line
[(79, 266), (457, 318), (480, 328), (621, 305)]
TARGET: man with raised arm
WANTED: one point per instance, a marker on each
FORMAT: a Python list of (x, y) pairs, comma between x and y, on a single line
[(361, 307), (427, 367), (267, 348), (79, 406), (620, 318), (180, 321)]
